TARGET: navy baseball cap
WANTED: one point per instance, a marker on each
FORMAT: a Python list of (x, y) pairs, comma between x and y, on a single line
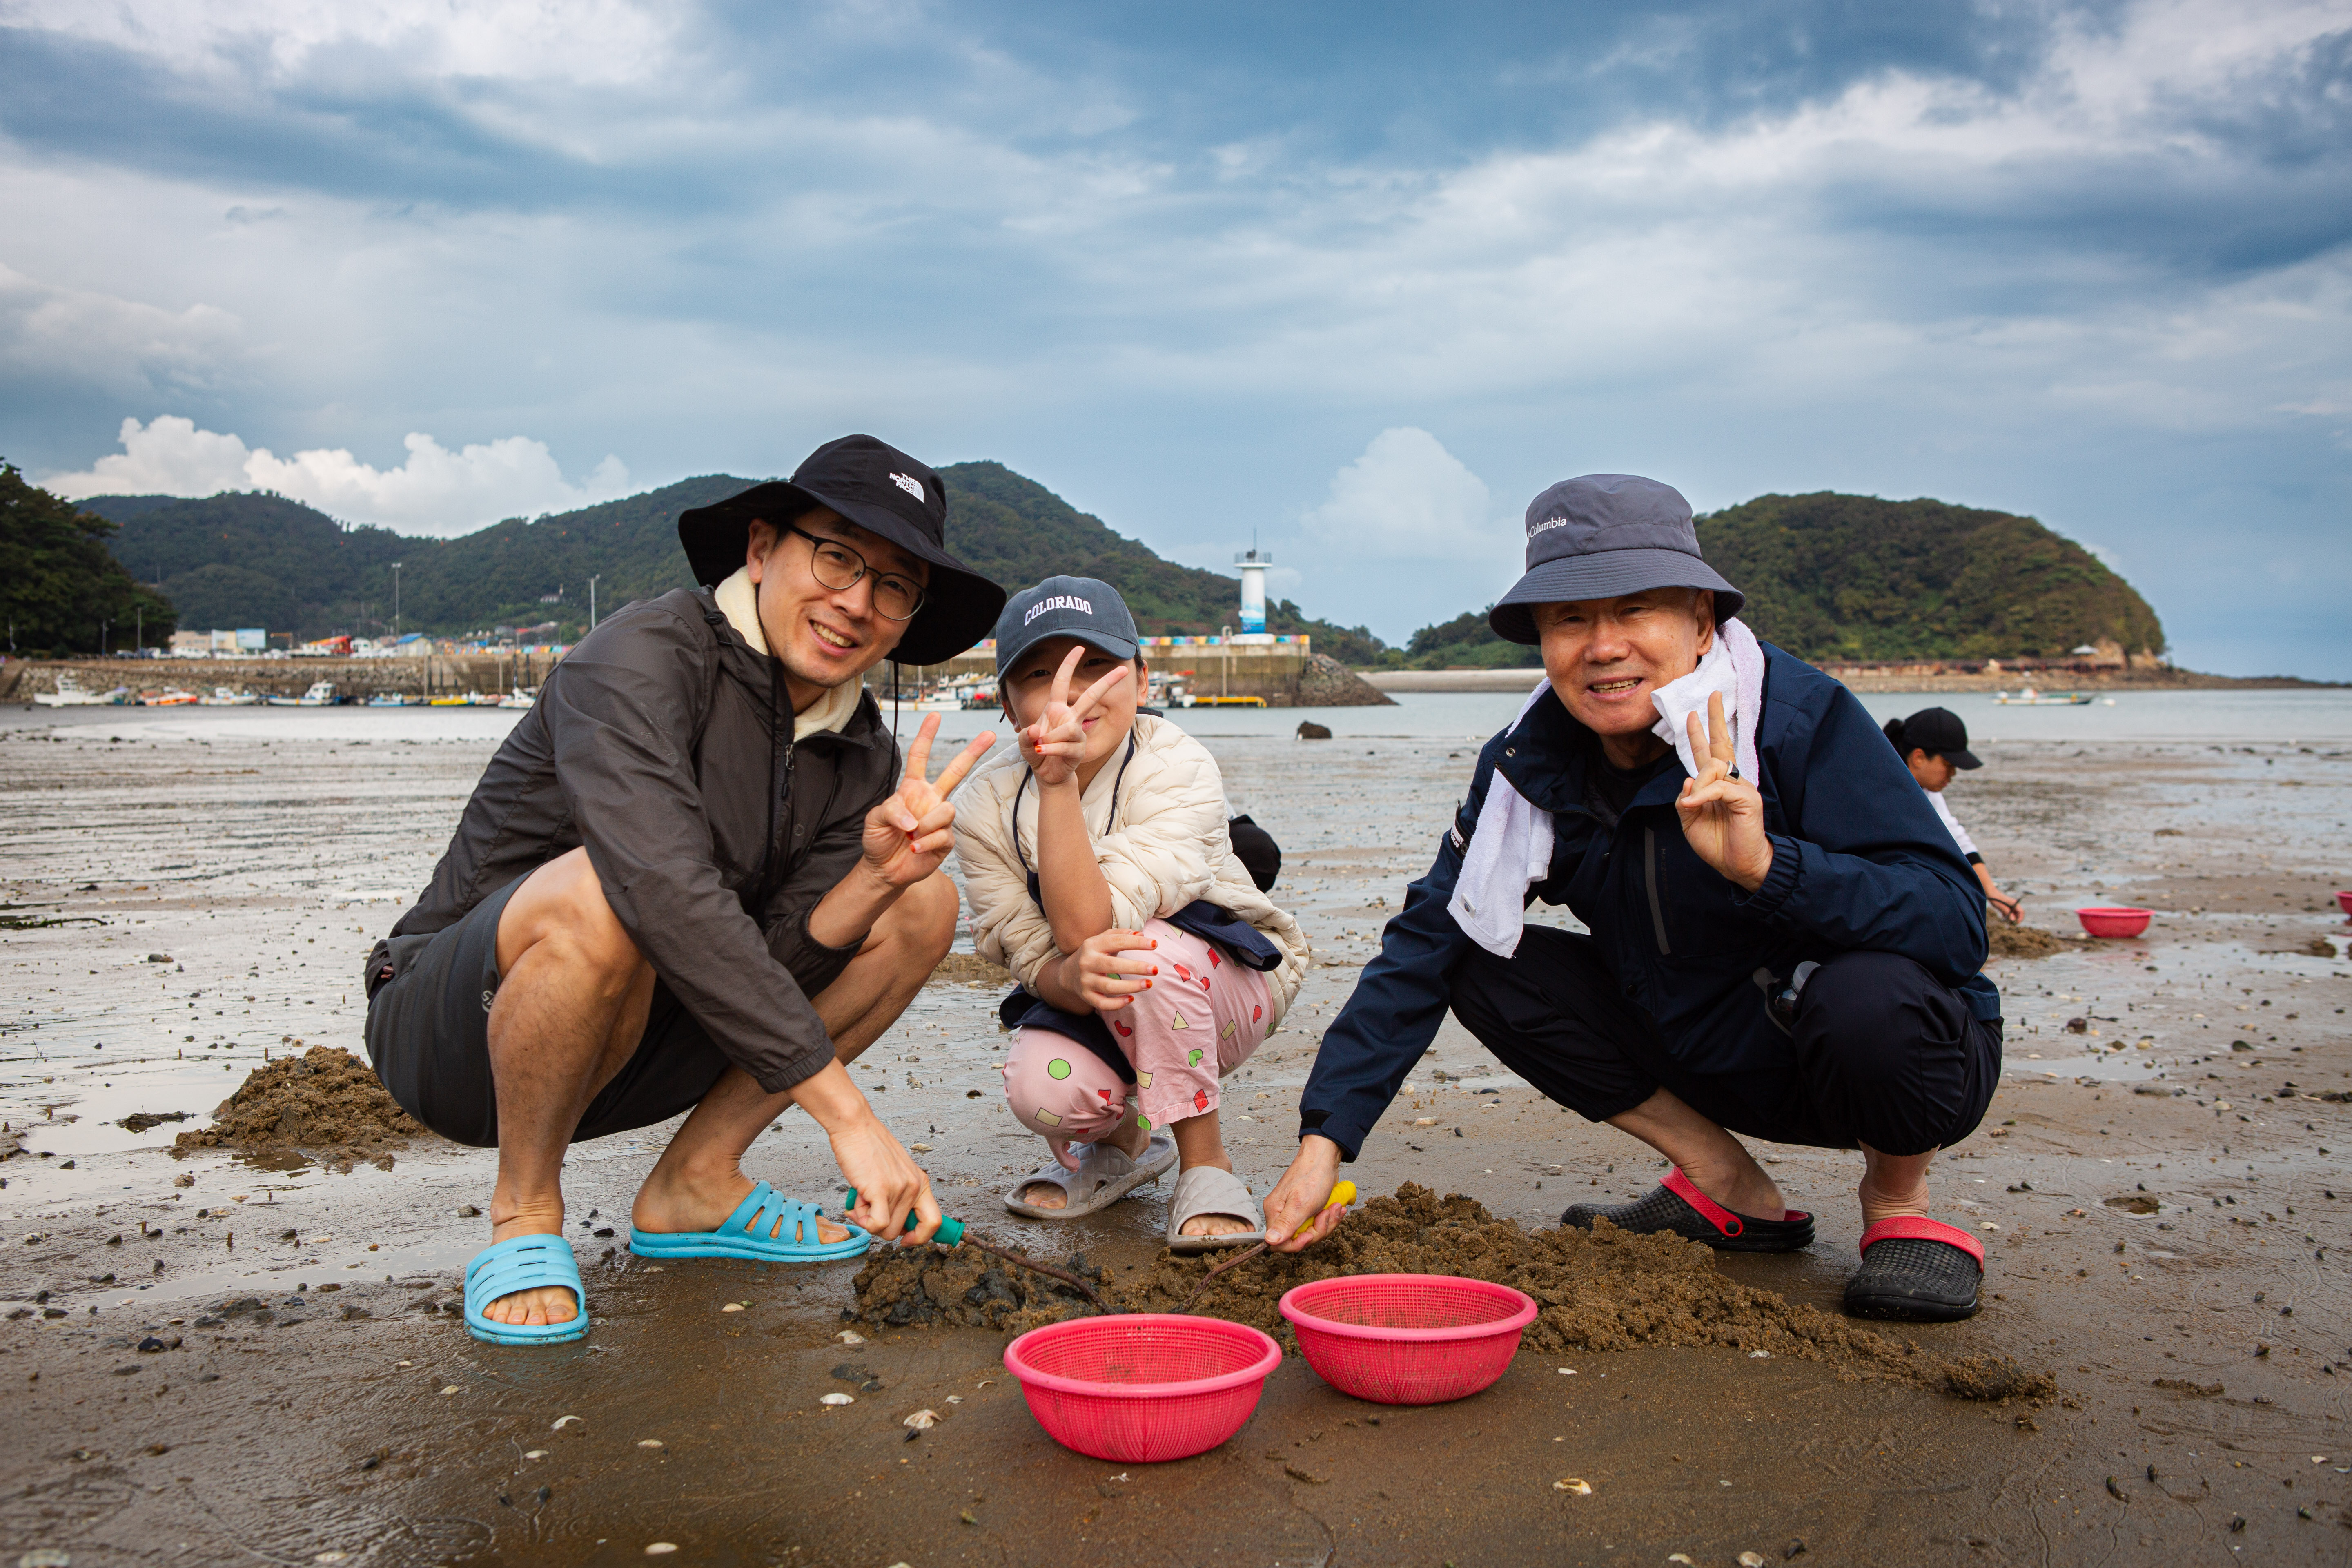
[(1087, 608), (1601, 536), (1939, 732)]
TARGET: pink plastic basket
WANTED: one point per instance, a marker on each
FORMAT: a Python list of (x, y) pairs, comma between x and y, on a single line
[(2344, 899), (2115, 921), (1143, 1387), (1408, 1339)]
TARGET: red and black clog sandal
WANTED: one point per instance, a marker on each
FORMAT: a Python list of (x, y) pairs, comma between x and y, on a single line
[(1679, 1206), (1920, 1269)]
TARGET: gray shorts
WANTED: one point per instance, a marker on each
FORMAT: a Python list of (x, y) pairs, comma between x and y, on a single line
[(428, 1036)]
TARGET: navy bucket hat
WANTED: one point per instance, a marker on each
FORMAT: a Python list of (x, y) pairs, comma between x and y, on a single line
[(1601, 536)]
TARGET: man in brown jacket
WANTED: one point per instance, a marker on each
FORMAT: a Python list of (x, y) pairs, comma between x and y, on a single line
[(686, 882)]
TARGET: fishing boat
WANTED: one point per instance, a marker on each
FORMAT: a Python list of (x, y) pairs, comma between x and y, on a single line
[(70, 694), (2029, 698), (320, 695), (174, 697), (521, 697), (445, 701), (222, 696), (388, 700)]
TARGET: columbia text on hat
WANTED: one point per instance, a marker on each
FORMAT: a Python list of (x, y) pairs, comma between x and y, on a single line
[(1599, 536)]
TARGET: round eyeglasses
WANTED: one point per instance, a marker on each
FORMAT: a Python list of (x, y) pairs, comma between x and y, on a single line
[(836, 566)]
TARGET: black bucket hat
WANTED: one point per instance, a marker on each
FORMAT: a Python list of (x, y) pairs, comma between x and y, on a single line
[(1601, 535), (882, 491)]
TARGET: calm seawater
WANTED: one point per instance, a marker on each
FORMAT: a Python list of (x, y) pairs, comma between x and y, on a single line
[(2303, 717)]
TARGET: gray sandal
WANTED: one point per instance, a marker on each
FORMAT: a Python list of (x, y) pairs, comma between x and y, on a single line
[(1207, 1189), (1105, 1175)]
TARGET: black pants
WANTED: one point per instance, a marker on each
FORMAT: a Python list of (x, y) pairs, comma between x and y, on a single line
[(1882, 1052), (428, 1034)]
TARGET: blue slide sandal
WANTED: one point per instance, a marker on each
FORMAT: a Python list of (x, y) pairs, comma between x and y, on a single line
[(746, 1233), (524, 1263)]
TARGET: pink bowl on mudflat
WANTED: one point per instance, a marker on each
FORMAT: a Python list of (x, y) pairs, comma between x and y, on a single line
[(2344, 901), (1408, 1339), (2115, 921), (1142, 1387)]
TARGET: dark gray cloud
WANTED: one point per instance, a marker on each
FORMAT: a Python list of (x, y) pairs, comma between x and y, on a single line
[(1187, 262)]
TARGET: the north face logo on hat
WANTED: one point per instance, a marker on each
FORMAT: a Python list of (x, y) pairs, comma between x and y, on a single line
[(913, 487)]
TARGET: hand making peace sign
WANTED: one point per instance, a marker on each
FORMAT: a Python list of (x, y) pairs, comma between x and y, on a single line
[(912, 832), (1057, 743), (1723, 816)]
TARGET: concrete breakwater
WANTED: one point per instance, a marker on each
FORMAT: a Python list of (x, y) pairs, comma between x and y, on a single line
[(22, 680), (1282, 675)]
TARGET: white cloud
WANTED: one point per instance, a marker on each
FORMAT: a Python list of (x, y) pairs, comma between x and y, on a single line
[(583, 40), (434, 491), (123, 346), (1406, 496)]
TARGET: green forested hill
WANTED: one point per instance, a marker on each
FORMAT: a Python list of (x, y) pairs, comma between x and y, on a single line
[(1838, 576), (1832, 576), (61, 591), (255, 560)]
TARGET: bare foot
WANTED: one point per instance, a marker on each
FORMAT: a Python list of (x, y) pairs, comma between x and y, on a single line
[(1742, 1191), (1218, 1225), (670, 1204), (545, 1303)]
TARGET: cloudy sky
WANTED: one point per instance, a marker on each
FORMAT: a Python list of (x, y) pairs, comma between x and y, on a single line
[(1357, 280)]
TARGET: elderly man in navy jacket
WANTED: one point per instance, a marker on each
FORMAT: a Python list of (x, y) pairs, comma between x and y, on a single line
[(1785, 943)]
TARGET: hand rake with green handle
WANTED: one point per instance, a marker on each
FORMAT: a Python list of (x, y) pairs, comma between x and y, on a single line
[(953, 1233)]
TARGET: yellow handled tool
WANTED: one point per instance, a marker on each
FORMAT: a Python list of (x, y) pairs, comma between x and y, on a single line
[(1342, 1194)]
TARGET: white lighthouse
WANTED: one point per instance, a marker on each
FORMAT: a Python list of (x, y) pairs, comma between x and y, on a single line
[(1252, 562)]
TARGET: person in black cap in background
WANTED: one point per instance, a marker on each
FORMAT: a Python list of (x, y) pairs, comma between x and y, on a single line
[(692, 880), (1934, 743), (1785, 943)]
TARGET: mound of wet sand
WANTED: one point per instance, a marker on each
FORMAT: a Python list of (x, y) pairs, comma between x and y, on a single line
[(969, 969), (2006, 941), (326, 1104), (1603, 1290)]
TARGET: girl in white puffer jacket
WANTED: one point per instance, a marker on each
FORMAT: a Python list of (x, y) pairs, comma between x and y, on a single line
[(1101, 869)]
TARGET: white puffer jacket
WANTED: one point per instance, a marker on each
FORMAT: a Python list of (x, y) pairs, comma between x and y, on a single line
[(1165, 841)]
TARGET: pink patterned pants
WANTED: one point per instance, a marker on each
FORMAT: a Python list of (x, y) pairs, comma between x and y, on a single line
[(1202, 1017)]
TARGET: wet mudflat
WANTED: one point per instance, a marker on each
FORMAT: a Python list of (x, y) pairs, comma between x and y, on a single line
[(2210, 1339)]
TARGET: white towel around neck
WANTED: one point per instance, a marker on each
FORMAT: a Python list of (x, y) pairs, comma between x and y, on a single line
[(1734, 665), (1510, 850)]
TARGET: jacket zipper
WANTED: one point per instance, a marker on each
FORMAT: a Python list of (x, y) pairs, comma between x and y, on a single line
[(1650, 881)]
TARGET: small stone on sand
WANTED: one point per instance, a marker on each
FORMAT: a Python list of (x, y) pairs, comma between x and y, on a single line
[(733, 1307), (838, 1399), (649, 1442), (850, 1336), (451, 1389), (659, 1548)]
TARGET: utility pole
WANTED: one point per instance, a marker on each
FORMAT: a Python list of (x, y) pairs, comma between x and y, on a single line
[(1225, 664), (139, 626), (396, 600), (591, 603)]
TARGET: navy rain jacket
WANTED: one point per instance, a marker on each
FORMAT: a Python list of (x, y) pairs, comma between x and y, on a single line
[(1860, 860)]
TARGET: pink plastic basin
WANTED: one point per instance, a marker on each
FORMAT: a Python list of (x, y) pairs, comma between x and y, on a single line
[(2344, 901), (1143, 1387), (1408, 1339), (2115, 921)]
